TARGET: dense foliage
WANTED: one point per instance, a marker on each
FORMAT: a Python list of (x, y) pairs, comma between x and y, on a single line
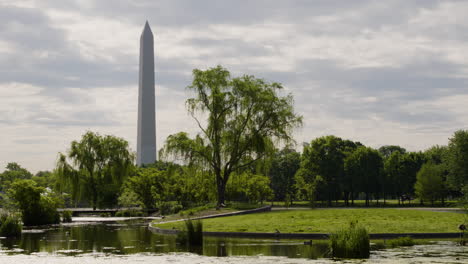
[(10, 225), (322, 168), (244, 116), (37, 206), (284, 166), (95, 168), (352, 242), (236, 157)]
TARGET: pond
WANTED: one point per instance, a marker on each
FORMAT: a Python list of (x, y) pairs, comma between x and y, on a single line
[(132, 242)]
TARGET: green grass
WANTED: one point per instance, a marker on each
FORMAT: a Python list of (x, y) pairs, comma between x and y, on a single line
[(373, 203), (351, 242), (209, 209), (331, 220), (401, 242)]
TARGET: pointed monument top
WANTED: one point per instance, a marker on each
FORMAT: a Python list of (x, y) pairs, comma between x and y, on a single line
[(147, 28)]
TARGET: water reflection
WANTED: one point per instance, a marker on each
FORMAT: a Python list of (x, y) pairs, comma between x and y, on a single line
[(115, 243), (134, 237)]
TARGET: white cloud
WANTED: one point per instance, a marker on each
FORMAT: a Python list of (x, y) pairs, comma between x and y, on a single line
[(392, 72)]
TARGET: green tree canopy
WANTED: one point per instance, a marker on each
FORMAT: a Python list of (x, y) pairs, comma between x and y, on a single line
[(12, 173), (95, 167), (430, 184), (400, 172), (36, 205), (244, 117), (284, 166), (387, 150), (324, 157), (458, 161), (364, 166)]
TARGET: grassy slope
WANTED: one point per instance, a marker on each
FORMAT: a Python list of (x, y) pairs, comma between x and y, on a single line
[(208, 210), (361, 203), (329, 220)]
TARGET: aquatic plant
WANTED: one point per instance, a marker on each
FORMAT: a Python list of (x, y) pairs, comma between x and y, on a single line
[(352, 242), (67, 216)]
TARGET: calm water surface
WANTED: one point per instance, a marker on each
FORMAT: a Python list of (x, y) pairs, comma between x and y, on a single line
[(132, 242)]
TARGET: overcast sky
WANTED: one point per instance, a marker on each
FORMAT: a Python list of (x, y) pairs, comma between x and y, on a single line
[(378, 72)]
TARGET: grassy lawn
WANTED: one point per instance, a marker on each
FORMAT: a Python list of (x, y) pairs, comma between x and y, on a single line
[(209, 209), (362, 203), (329, 220)]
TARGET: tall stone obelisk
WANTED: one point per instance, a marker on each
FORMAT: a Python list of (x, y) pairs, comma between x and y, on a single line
[(146, 139)]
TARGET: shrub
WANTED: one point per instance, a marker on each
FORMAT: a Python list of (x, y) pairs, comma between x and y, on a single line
[(10, 226), (36, 205), (67, 216), (352, 242), (167, 208), (401, 242), (177, 208), (129, 213)]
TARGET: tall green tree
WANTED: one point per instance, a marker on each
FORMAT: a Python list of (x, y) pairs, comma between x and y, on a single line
[(324, 157), (430, 183), (12, 173), (458, 161), (400, 172), (284, 166), (95, 167), (364, 166), (244, 117)]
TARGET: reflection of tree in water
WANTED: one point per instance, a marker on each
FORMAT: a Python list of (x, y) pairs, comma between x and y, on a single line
[(131, 238), (251, 247)]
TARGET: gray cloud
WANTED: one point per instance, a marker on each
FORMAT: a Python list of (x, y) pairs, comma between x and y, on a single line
[(375, 71)]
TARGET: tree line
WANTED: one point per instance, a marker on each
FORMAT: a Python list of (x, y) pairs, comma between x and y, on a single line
[(235, 157)]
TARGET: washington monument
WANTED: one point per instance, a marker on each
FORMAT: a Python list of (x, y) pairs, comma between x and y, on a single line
[(146, 138)]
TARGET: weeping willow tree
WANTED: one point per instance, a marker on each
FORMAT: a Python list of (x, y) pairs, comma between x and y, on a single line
[(245, 117), (93, 164)]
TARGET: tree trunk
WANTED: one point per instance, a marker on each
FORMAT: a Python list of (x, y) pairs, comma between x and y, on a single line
[(221, 184), (346, 198), (94, 192)]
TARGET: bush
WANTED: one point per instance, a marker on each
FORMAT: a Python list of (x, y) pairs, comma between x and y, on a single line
[(401, 242), (167, 208), (67, 216), (10, 226), (129, 213), (352, 242), (36, 205)]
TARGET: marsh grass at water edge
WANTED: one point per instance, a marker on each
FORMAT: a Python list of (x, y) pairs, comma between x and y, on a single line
[(352, 242)]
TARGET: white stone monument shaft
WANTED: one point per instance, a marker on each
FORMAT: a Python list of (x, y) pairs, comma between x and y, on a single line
[(146, 139)]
